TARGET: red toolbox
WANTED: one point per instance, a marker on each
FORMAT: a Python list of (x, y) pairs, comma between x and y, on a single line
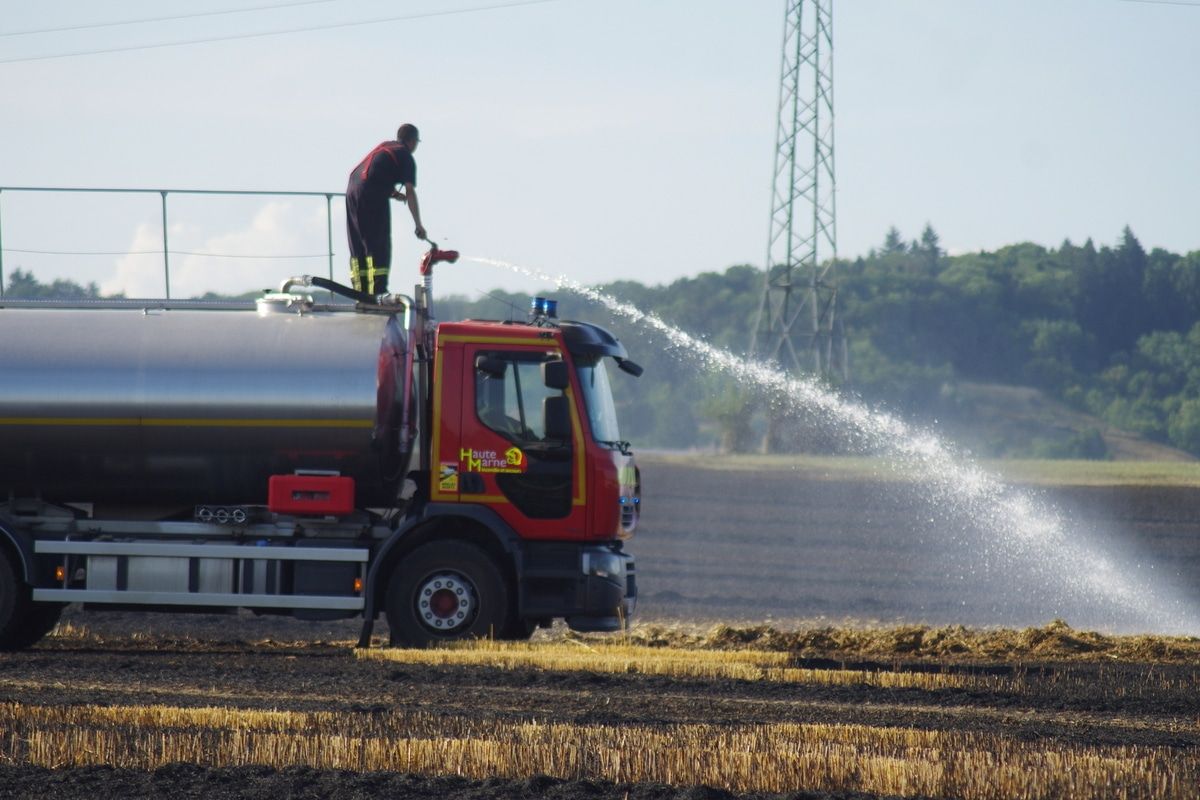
[(312, 495)]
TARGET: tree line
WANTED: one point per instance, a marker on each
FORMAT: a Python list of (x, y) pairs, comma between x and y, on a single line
[(1110, 330)]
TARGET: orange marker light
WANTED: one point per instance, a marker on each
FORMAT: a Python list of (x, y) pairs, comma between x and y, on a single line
[(357, 585), (60, 573)]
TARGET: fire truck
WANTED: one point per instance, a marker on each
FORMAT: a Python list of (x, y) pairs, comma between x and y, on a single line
[(324, 460)]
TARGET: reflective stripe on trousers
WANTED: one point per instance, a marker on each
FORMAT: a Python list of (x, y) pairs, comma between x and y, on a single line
[(367, 277)]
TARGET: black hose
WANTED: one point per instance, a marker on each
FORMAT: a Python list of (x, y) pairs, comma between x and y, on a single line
[(342, 289)]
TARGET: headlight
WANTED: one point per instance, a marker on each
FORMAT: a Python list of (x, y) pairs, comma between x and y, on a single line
[(603, 564)]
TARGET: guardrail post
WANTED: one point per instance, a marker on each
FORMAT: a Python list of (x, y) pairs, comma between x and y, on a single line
[(329, 230), (1, 259), (329, 234), (166, 257)]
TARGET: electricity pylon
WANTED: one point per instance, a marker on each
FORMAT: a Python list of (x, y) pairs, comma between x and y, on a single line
[(795, 324)]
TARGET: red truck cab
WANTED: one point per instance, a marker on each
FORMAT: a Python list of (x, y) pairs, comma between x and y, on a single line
[(524, 438), (524, 468)]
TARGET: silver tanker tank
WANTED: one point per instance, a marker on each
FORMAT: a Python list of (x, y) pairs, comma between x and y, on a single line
[(134, 405)]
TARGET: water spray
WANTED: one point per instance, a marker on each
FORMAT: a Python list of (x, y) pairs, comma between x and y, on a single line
[(1027, 530)]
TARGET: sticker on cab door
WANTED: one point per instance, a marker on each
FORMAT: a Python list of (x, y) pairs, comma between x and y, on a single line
[(448, 477), (511, 460)]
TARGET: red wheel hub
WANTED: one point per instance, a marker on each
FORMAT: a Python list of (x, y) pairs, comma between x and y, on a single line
[(446, 602), (443, 603)]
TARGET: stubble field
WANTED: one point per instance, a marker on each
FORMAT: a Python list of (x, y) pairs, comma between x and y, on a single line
[(862, 684)]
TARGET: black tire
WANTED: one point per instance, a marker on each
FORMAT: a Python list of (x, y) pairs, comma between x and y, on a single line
[(518, 630), (11, 605), (40, 619), (444, 591), (22, 622)]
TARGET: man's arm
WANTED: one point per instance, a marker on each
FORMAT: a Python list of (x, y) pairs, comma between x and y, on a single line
[(410, 195)]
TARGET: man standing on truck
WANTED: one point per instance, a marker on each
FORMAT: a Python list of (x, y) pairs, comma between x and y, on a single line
[(368, 218)]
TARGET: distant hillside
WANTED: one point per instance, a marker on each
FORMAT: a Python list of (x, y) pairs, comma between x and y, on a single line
[(999, 421)]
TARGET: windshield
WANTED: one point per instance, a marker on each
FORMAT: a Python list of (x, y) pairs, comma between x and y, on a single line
[(597, 396)]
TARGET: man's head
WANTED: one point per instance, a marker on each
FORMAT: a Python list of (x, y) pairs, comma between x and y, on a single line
[(408, 135)]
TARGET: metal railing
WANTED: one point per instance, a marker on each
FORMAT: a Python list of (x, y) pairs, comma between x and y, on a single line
[(166, 250)]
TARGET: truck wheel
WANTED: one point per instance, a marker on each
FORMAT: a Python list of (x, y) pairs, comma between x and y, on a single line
[(444, 591), (22, 621), (14, 607), (40, 619)]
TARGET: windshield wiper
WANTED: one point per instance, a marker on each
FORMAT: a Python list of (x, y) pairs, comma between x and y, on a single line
[(617, 444)]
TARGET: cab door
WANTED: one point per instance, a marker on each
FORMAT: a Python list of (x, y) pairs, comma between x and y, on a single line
[(521, 447)]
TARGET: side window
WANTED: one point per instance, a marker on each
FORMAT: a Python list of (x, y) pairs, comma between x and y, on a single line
[(510, 394)]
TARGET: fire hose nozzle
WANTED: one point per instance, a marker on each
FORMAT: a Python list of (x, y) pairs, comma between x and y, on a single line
[(436, 256)]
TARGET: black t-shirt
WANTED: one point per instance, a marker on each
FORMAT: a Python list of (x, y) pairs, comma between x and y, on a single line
[(387, 165)]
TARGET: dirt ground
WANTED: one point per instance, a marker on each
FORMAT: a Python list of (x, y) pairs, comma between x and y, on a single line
[(1143, 705), (760, 547), (301, 783), (1071, 703), (754, 545)]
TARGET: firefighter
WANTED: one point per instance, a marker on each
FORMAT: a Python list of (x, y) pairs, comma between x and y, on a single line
[(368, 218)]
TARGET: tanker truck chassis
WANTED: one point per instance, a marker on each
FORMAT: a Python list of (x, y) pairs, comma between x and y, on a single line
[(323, 461)]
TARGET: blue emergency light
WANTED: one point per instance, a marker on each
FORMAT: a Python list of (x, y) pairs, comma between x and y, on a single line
[(543, 307)]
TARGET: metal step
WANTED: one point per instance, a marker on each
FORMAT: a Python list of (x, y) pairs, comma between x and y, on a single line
[(198, 599), (244, 552)]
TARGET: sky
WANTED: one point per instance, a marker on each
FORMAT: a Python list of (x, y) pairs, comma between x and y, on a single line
[(600, 139)]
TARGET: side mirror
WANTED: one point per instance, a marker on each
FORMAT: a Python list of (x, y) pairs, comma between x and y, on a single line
[(633, 369), (490, 365), (555, 375), (556, 417)]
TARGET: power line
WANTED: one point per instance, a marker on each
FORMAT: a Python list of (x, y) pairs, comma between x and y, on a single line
[(83, 252), (155, 253), (147, 20), (1163, 3), (309, 29), (235, 255)]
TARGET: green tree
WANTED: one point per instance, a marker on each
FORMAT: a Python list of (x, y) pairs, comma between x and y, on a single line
[(893, 242), (929, 248), (1057, 348), (1110, 304), (1183, 426), (733, 412), (23, 285)]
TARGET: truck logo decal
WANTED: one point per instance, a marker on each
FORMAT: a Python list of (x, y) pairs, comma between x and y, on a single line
[(489, 461)]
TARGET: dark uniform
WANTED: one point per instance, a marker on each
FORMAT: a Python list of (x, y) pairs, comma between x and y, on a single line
[(368, 217)]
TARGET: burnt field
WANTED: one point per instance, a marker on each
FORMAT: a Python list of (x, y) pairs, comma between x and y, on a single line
[(902, 711), (782, 543), (819, 703)]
